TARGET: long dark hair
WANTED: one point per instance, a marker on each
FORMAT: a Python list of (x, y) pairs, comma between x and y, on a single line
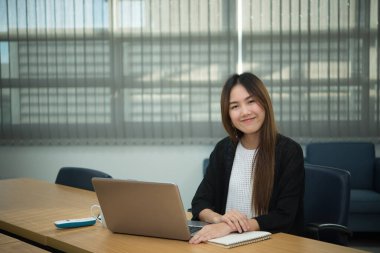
[(265, 158)]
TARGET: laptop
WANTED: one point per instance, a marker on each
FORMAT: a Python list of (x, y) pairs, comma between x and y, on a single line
[(144, 208)]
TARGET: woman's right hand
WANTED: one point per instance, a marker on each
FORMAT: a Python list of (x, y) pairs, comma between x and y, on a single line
[(211, 231)]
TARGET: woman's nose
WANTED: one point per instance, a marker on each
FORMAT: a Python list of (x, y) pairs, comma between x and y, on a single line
[(245, 110)]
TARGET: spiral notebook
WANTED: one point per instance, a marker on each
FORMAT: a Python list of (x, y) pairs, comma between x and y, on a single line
[(235, 239)]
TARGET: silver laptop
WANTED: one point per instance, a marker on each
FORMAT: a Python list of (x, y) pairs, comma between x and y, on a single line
[(144, 208)]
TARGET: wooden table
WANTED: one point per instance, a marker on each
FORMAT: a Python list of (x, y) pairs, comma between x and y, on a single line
[(10, 244), (29, 207)]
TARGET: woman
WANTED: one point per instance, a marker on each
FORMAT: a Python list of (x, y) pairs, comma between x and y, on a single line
[(255, 177)]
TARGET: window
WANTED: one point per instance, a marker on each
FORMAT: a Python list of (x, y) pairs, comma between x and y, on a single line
[(137, 71), (321, 59)]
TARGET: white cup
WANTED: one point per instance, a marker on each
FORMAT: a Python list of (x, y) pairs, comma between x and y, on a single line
[(97, 213)]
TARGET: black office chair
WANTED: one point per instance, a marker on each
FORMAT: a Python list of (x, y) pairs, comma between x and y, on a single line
[(205, 164), (204, 169), (326, 203), (78, 177)]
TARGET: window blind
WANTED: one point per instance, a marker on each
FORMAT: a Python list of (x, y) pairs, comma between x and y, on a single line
[(151, 72), (320, 59)]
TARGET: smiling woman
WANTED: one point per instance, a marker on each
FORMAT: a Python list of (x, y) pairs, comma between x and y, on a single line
[(255, 177), (246, 114)]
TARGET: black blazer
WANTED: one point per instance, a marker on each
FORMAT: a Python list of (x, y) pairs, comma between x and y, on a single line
[(286, 203)]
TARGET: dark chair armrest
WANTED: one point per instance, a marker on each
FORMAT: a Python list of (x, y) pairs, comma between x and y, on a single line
[(377, 174), (333, 233)]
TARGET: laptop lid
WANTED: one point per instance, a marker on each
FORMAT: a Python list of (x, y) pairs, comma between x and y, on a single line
[(142, 208)]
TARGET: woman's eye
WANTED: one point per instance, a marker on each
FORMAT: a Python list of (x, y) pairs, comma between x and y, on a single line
[(233, 107), (251, 101)]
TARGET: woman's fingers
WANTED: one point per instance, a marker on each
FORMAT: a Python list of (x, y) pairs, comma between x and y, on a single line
[(229, 222), (236, 220), (211, 231)]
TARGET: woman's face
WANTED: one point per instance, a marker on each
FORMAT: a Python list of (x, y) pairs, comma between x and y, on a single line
[(246, 113)]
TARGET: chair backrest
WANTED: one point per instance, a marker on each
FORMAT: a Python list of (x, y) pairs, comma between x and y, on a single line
[(356, 157), (205, 164), (79, 177), (327, 195)]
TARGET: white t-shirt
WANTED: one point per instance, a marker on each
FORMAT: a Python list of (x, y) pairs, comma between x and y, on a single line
[(241, 182)]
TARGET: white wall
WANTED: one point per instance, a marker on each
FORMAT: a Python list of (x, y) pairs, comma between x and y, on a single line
[(177, 164)]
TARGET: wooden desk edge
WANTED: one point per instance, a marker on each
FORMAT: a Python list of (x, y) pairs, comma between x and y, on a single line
[(20, 232)]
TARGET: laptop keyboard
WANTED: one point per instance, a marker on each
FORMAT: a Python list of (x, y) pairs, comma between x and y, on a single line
[(194, 229)]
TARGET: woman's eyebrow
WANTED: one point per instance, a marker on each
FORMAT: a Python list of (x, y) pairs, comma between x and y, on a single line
[(245, 99), (249, 97)]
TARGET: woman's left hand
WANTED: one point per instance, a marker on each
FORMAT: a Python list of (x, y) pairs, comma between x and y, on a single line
[(236, 220), (211, 231)]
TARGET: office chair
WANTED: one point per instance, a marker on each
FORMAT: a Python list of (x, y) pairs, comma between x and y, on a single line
[(204, 169), (205, 164), (326, 204), (78, 177)]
